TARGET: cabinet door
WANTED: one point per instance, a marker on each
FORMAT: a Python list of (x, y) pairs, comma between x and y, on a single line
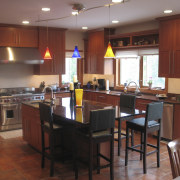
[(165, 66), (56, 44), (7, 36), (95, 53), (166, 39), (166, 35), (176, 52), (27, 37)]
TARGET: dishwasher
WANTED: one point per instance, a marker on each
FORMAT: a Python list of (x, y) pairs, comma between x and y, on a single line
[(167, 122)]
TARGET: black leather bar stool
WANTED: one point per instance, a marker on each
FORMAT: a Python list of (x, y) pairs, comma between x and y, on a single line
[(151, 123), (53, 130), (126, 101), (101, 130)]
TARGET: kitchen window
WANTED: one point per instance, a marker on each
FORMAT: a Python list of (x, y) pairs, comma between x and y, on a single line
[(70, 70), (140, 66)]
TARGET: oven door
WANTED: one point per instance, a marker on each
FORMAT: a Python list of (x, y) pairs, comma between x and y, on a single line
[(9, 114)]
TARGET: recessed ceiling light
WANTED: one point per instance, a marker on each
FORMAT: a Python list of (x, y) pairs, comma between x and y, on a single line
[(117, 1), (167, 11), (45, 9), (25, 22), (115, 21), (75, 12), (84, 27)]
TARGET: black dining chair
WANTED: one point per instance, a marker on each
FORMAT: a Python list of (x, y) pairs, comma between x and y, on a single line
[(101, 130), (52, 130), (151, 123), (126, 101)]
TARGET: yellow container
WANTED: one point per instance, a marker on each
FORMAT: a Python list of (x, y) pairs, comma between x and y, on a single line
[(79, 96), (79, 115)]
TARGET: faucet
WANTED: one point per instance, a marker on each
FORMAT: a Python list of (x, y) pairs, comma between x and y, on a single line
[(52, 95), (137, 87)]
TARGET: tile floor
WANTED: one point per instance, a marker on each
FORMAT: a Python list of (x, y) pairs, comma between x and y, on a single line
[(18, 161)]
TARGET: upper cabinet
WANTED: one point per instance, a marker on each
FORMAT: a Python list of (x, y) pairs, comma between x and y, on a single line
[(19, 37), (169, 48), (143, 39), (95, 51), (56, 44)]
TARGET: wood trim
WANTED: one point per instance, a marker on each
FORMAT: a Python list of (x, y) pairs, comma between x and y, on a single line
[(139, 33), (177, 16), (141, 72)]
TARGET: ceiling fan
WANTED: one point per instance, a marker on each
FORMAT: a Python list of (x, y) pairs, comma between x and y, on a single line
[(80, 8)]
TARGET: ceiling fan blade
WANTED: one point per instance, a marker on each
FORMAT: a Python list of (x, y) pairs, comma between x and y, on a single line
[(53, 19)]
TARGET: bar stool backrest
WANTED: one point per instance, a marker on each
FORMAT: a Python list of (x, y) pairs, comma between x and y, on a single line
[(102, 119), (154, 111), (127, 101), (46, 115)]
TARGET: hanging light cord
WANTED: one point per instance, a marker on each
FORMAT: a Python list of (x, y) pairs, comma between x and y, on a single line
[(47, 33), (109, 22)]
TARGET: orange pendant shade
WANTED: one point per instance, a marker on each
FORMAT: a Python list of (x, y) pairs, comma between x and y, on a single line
[(47, 54), (109, 52)]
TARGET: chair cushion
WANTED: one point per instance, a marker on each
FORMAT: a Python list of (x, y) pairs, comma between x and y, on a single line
[(99, 134), (55, 126), (141, 122)]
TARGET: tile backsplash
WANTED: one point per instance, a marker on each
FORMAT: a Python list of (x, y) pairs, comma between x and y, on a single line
[(90, 77)]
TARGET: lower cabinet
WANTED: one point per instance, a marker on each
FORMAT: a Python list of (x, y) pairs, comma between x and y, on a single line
[(31, 126)]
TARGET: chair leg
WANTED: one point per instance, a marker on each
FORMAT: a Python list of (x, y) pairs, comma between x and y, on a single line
[(43, 150), (98, 158), (144, 153), (132, 137), (90, 159), (62, 146), (141, 145), (51, 155), (112, 157), (158, 149), (127, 145), (119, 137)]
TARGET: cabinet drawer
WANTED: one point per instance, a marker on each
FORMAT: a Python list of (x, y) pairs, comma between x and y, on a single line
[(141, 104), (102, 98)]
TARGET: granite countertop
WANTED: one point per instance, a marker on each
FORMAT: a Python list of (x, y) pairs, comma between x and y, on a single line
[(141, 96)]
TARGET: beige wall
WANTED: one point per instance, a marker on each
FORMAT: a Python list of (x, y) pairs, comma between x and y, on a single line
[(19, 75)]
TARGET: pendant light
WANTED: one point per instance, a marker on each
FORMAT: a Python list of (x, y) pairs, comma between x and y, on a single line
[(47, 54), (76, 52), (109, 52)]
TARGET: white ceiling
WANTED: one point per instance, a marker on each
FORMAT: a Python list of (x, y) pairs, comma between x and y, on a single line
[(133, 11)]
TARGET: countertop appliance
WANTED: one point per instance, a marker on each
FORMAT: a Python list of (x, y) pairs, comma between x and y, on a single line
[(10, 107), (167, 122), (102, 84)]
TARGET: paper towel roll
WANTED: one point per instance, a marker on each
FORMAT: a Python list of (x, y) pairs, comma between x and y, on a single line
[(107, 85)]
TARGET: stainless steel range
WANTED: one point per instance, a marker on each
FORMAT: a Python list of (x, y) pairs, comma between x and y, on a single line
[(10, 107)]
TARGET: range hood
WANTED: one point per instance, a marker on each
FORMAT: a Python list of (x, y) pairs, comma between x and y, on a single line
[(20, 55)]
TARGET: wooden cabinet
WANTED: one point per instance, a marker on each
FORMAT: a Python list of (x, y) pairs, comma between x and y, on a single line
[(169, 48), (18, 37), (142, 103), (96, 47), (31, 126), (56, 44), (176, 123)]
